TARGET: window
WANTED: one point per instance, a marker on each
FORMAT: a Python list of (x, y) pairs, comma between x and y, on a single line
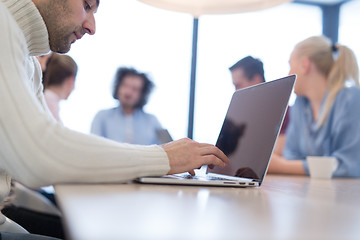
[(349, 33), (130, 33), (269, 35)]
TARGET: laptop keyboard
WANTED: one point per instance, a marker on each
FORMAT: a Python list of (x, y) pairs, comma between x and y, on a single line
[(207, 177), (216, 178)]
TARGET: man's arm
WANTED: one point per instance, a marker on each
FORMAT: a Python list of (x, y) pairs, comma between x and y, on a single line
[(38, 151)]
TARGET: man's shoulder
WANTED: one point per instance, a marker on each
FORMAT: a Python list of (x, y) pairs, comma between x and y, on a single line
[(7, 21), (106, 112), (147, 115), (3, 9), (7, 18), (10, 28)]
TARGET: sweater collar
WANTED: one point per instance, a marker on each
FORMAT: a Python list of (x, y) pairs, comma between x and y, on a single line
[(32, 25)]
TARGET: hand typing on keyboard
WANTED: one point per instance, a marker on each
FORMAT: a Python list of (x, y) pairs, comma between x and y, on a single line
[(185, 155)]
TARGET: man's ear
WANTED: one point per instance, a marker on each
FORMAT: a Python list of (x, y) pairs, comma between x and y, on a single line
[(257, 79)]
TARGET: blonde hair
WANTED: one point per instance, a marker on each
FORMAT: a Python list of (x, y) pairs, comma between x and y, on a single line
[(338, 64)]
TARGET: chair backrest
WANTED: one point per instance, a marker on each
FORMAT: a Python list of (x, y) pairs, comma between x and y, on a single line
[(7, 225), (32, 200)]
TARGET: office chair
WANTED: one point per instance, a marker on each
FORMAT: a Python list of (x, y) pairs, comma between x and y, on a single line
[(32, 200), (7, 225)]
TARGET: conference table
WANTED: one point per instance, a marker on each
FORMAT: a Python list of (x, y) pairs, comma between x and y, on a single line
[(284, 207)]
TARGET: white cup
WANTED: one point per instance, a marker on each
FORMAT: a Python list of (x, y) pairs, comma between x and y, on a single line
[(321, 167)]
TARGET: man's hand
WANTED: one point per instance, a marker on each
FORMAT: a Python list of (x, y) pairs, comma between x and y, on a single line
[(185, 155)]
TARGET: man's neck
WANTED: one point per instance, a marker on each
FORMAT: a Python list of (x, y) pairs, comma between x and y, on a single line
[(128, 110)]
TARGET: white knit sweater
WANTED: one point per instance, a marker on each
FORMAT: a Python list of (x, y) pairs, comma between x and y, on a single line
[(34, 148)]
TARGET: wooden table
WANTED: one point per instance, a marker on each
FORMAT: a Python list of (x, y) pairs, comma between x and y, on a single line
[(284, 207)]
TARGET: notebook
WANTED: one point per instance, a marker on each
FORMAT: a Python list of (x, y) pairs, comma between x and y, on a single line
[(247, 137)]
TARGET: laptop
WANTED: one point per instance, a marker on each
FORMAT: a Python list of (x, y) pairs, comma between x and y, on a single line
[(247, 137), (163, 136)]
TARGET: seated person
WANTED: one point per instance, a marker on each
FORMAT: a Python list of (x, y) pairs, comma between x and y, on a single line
[(248, 72), (38, 151), (128, 122), (325, 116), (43, 60), (59, 81)]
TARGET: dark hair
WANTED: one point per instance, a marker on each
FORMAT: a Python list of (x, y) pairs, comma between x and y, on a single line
[(58, 68), (251, 66), (121, 73)]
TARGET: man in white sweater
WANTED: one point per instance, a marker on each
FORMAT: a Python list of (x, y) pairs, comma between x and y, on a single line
[(34, 148)]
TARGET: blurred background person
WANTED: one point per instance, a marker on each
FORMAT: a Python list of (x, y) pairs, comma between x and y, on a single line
[(43, 60), (59, 81), (248, 72), (59, 73), (128, 122), (325, 116)]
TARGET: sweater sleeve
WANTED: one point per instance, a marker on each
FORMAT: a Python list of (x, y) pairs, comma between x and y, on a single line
[(37, 151)]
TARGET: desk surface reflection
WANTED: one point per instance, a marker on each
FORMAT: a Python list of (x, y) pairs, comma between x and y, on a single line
[(284, 207)]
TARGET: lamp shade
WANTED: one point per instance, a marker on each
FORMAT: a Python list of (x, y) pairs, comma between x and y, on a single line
[(201, 7)]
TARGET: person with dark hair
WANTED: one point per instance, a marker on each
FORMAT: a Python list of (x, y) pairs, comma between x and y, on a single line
[(38, 151), (128, 122), (248, 72), (59, 81)]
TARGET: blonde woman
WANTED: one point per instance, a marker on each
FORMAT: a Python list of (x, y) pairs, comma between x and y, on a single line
[(325, 119)]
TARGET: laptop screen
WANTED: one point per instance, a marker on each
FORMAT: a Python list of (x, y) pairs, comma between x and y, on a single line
[(163, 136), (251, 127)]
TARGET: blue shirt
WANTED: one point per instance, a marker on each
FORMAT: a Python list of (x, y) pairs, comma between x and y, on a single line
[(339, 137), (138, 128)]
